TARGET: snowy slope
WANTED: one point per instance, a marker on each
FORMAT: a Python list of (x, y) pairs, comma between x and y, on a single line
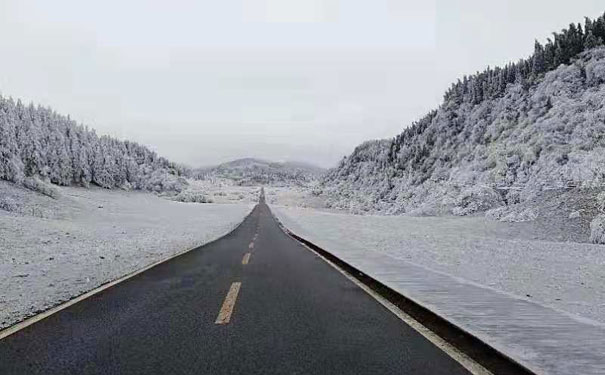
[(431, 260), (54, 249), (473, 155), (504, 256)]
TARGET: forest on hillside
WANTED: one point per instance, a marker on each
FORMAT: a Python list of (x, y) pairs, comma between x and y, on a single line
[(492, 83), (499, 137), (37, 144)]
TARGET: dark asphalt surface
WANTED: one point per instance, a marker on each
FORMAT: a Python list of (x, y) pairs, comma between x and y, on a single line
[(294, 315)]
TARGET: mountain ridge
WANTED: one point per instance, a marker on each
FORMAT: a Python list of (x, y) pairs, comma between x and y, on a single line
[(255, 171)]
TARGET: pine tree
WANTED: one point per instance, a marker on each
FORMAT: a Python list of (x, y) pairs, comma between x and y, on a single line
[(592, 41), (538, 60), (11, 168)]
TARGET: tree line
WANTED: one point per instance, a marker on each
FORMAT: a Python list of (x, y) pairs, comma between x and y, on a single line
[(492, 82), (37, 142)]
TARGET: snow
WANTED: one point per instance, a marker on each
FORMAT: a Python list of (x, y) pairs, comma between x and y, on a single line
[(565, 275), (597, 229), (517, 295), (295, 196), (255, 172), (36, 142), (54, 249), (217, 190), (528, 139)]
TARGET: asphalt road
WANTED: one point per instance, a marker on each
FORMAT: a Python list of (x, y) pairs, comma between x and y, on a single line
[(292, 313)]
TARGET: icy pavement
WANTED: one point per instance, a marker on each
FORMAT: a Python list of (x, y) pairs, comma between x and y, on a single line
[(52, 250), (444, 264)]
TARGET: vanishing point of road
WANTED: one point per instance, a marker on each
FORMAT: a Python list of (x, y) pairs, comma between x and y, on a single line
[(253, 302)]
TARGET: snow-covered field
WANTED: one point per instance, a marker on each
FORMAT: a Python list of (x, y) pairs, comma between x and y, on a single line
[(217, 190), (565, 275), (54, 249), (294, 196)]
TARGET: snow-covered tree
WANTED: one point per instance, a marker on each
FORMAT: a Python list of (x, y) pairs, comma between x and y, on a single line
[(36, 142), (510, 132)]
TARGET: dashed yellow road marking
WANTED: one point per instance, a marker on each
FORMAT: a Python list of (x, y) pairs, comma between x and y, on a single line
[(227, 309), (246, 258)]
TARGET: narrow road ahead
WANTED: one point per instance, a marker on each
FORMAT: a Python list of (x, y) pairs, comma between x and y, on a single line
[(253, 302)]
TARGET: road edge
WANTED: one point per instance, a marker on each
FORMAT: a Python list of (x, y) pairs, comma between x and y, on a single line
[(6, 332), (424, 316)]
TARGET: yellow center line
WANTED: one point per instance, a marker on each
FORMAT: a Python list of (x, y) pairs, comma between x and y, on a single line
[(227, 309), (246, 258)]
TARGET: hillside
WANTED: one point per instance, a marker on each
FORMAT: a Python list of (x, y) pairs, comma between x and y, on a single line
[(39, 146), (250, 171), (499, 139)]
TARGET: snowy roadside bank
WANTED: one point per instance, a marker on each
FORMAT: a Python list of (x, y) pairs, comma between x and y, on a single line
[(53, 250), (543, 339), (565, 275)]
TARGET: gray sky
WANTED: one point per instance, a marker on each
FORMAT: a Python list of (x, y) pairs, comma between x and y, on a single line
[(208, 81)]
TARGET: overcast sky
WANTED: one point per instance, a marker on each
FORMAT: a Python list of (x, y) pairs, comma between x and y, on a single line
[(203, 82)]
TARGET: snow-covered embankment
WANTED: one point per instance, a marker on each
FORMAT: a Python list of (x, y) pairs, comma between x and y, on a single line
[(475, 273), (54, 249)]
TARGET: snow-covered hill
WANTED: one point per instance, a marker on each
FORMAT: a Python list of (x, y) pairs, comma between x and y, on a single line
[(500, 138), (39, 146), (250, 171)]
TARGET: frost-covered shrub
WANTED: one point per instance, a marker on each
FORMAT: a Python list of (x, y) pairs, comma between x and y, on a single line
[(601, 201), (496, 213), (475, 199), (41, 187), (127, 186), (8, 204), (512, 214), (597, 229), (161, 181), (527, 214), (595, 69), (189, 196)]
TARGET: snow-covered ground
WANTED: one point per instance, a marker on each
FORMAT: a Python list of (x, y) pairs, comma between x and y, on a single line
[(565, 275), (294, 196), (54, 249), (217, 190)]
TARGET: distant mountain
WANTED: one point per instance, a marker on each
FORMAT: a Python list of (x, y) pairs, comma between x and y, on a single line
[(251, 171), (499, 138)]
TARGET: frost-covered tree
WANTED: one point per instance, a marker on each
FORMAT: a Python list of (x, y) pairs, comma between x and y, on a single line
[(11, 167), (592, 41), (537, 123), (39, 143)]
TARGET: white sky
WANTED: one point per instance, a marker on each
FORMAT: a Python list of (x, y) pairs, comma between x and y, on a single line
[(208, 81)]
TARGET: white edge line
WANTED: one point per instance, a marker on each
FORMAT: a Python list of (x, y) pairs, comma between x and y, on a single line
[(464, 360), (43, 315)]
